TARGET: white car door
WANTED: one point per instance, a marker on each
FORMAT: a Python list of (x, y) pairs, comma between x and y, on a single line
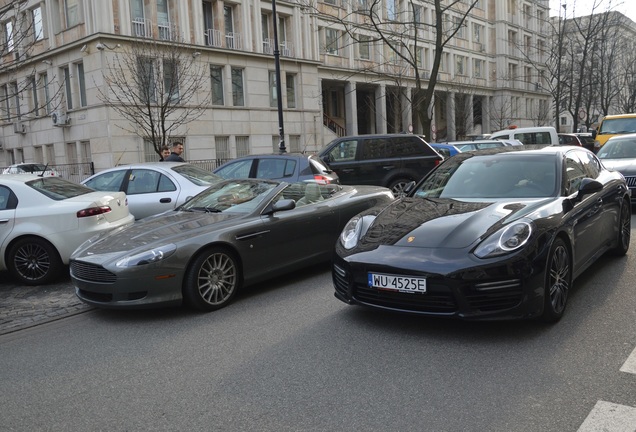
[(150, 192), (7, 220)]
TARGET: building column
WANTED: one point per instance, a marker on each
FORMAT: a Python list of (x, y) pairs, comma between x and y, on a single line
[(407, 110), (450, 117), (351, 108), (470, 127), (485, 114), (380, 109)]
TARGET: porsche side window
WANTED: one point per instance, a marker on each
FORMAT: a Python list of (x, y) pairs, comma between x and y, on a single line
[(591, 164), (238, 169), (575, 173)]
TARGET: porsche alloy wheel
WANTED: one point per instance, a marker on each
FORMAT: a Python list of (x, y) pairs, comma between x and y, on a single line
[(624, 229), (558, 281), (34, 261), (212, 280)]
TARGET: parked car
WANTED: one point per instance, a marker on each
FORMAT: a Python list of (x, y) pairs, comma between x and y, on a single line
[(613, 125), (619, 154), (464, 146), (529, 135), (569, 139), (391, 161), (31, 168), (290, 167), (587, 140), (497, 234), (446, 150), (235, 233), (43, 220), (153, 187)]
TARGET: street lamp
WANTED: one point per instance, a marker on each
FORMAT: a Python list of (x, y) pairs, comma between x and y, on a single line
[(279, 93)]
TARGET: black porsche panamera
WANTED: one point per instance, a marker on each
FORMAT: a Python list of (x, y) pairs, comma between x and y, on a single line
[(497, 234)]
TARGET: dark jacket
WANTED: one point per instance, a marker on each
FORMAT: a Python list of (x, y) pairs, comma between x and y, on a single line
[(174, 158)]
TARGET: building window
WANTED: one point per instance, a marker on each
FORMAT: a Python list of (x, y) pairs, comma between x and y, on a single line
[(460, 26), (4, 95), (273, 95), (478, 31), (364, 47), (171, 81), (419, 57), (216, 73), (85, 152), (242, 146), (291, 90), (391, 9), (81, 83), (331, 41), (478, 68), (66, 73), (222, 144), (8, 36), (146, 73), (34, 96), (417, 14), (460, 65), (71, 153), (38, 30), (44, 79), (72, 12), (50, 154), (238, 97), (294, 143)]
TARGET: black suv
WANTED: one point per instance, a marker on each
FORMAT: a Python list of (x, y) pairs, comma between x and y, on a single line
[(391, 161)]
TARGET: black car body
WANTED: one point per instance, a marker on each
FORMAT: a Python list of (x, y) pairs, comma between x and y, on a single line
[(462, 245), (289, 167), (235, 233), (392, 160)]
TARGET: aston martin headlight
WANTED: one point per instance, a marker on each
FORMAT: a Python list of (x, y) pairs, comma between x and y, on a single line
[(508, 239), (351, 233), (147, 257)]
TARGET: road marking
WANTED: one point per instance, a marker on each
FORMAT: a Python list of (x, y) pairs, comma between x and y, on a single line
[(630, 365), (610, 417)]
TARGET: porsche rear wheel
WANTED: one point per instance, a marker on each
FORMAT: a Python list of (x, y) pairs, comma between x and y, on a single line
[(558, 281), (34, 261), (212, 280)]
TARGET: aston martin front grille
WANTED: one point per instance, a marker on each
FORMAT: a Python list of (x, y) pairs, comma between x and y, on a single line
[(91, 272)]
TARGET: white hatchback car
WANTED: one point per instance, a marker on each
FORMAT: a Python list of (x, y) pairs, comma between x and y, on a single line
[(44, 219), (154, 187)]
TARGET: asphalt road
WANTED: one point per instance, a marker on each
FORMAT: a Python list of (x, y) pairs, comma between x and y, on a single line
[(288, 356)]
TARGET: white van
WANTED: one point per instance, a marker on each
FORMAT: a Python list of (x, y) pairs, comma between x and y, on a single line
[(529, 135)]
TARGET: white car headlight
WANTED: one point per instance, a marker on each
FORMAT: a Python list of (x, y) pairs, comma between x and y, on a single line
[(147, 257), (506, 240), (351, 233)]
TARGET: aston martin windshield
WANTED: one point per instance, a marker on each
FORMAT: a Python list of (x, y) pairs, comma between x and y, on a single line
[(492, 176), (233, 196)]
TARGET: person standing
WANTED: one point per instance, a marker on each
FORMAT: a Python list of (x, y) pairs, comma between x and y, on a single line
[(175, 155), (165, 152)]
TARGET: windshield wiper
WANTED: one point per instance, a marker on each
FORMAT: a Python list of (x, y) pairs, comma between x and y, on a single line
[(205, 209)]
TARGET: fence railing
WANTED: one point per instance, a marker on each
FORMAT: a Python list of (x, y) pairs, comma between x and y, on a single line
[(78, 172)]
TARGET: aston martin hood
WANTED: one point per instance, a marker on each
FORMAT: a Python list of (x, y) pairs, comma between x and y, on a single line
[(166, 228), (435, 223)]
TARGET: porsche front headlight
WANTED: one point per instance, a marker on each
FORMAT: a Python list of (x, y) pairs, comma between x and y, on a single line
[(147, 257), (506, 240), (351, 233)]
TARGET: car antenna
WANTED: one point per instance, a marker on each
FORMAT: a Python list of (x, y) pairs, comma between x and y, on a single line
[(44, 170)]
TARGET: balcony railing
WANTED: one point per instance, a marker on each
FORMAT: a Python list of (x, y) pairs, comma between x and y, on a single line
[(142, 28), (167, 31), (213, 38), (233, 40)]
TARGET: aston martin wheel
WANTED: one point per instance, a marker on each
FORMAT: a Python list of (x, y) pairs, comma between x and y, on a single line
[(34, 261), (558, 281), (624, 229), (212, 280)]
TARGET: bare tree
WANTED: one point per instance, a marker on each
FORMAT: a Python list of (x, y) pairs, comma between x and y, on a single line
[(23, 38), (156, 87), (500, 111), (398, 32)]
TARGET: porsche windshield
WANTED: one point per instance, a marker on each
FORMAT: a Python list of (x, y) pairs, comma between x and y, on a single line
[(493, 176), (241, 196)]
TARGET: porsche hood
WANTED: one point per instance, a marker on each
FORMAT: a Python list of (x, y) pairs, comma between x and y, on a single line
[(439, 223)]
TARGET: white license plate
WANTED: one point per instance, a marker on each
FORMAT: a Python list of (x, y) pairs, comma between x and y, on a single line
[(397, 283)]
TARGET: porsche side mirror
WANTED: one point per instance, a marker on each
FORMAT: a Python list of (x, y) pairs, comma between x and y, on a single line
[(589, 186)]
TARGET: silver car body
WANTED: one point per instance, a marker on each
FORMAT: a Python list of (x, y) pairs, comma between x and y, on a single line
[(153, 187)]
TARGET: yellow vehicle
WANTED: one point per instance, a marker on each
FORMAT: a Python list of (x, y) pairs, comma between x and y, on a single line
[(612, 125)]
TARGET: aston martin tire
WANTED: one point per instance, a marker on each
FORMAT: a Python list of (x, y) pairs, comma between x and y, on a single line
[(624, 229), (212, 280), (397, 186), (34, 261), (558, 280)]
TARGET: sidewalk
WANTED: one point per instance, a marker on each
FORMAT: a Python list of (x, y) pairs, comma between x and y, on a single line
[(23, 306)]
